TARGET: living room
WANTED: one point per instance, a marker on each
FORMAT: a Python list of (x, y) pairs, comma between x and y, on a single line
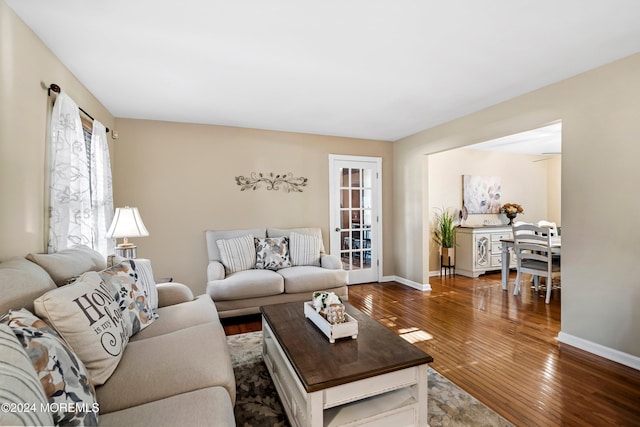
[(181, 177)]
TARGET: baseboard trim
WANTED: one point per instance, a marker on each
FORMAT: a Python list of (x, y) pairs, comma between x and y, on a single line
[(410, 283), (444, 273), (600, 350)]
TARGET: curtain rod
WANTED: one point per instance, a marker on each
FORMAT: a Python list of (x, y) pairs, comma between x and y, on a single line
[(55, 88)]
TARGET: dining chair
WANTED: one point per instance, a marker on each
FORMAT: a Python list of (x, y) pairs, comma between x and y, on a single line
[(553, 231), (551, 226), (532, 246), (517, 223)]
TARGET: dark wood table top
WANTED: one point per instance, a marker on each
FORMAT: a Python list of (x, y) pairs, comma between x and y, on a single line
[(320, 364)]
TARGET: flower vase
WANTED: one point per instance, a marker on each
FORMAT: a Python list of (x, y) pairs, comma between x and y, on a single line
[(511, 217)]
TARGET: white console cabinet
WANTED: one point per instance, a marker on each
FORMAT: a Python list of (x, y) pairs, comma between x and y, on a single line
[(479, 249)]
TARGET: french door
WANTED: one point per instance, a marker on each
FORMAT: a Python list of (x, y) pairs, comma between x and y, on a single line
[(355, 209)]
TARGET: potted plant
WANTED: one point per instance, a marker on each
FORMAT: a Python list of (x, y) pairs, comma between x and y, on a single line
[(444, 234)]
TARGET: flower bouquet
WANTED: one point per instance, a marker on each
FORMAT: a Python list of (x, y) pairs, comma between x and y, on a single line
[(511, 210)]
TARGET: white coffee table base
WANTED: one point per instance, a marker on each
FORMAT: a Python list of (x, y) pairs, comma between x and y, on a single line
[(394, 399)]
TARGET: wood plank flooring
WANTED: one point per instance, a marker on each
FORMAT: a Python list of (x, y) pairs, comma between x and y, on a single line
[(502, 349)]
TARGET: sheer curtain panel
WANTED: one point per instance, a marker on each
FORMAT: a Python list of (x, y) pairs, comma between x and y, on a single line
[(70, 185), (101, 190), (81, 193)]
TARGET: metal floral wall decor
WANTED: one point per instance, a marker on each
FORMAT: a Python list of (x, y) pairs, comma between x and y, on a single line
[(286, 181)]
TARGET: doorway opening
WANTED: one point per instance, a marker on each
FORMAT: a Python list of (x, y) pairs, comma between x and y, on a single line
[(529, 165)]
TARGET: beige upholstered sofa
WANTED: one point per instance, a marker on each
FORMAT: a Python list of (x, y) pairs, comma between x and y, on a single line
[(176, 371), (245, 291)]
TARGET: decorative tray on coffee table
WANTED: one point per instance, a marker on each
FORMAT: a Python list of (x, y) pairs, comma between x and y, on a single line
[(333, 331)]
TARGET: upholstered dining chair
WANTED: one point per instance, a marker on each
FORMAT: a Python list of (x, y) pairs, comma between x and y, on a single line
[(532, 246)]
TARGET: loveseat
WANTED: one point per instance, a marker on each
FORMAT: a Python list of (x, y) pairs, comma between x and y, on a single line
[(173, 369), (250, 268)]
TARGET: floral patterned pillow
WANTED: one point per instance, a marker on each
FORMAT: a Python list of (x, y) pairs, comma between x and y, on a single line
[(272, 253), (64, 378), (132, 297)]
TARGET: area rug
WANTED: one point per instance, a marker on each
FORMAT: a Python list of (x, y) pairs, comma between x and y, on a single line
[(258, 405)]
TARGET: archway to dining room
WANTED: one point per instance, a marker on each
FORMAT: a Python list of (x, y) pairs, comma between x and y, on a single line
[(523, 168)]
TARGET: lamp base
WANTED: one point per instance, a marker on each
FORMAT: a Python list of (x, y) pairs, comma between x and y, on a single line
[(129, 251)]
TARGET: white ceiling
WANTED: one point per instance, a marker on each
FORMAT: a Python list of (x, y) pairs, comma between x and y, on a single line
[(359, 68)]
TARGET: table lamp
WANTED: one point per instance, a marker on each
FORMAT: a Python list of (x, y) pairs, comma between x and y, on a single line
[(127, 223)]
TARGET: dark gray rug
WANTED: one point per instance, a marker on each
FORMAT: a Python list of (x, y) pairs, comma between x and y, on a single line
[(257, 402)]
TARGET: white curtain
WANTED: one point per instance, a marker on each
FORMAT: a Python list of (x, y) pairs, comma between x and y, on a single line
[(70, 185), (81, 193), (101, 190)]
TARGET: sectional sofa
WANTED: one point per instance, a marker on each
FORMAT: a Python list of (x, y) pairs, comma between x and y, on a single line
[(111, 347)]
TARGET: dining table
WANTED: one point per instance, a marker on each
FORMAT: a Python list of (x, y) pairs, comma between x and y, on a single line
[(508, 244)]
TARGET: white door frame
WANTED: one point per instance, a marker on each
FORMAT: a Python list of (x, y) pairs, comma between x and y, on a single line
[(334, 204)]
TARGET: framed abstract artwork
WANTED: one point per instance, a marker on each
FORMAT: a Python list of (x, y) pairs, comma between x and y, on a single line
[(481, 194)]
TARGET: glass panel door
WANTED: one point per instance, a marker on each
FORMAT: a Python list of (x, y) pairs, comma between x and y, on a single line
[(356, 224)]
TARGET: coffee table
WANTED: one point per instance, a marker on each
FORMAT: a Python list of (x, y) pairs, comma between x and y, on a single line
[(376, 379)]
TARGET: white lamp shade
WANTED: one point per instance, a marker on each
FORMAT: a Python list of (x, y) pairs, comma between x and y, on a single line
[(127, 223)]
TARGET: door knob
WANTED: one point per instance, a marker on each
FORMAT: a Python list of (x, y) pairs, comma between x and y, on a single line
[(337, 228)]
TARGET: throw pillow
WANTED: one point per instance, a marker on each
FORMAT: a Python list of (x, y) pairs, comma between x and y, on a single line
[(88, 316), (272, 253), (69, 263), (305, 249), (309, 231), (21, 388), (146, 280), (62, 375), (131, 295), (237, 254), (22, 281)]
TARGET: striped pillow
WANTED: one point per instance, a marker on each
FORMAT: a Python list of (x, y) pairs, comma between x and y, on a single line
[(20, 385), (304, 249), (237, 254)]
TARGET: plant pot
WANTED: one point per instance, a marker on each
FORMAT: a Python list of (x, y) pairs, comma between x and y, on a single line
[(448, 256)]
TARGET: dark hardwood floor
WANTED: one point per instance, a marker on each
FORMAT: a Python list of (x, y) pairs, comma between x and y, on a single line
[(502, 349)]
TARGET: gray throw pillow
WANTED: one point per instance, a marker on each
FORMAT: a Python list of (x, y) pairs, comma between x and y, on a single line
[(272, 253)]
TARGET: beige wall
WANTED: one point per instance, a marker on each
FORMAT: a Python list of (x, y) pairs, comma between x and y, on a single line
[(524, 181), (181, 177), (600, 113), (554, 194), (26, 66)]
